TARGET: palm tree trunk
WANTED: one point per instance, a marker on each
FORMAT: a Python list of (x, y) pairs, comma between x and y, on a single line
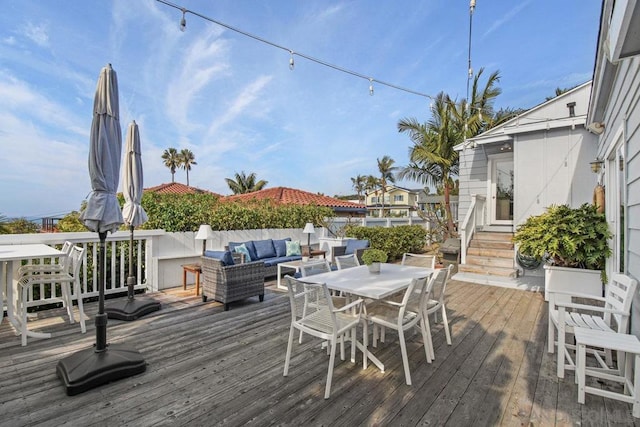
[(187, 177)]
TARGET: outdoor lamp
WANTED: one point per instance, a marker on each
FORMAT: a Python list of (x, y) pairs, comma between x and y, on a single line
[(596, 165), (204, 233), (309, 230)]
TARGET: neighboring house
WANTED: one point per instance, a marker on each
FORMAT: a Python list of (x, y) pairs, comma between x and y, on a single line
[(435, 203), (292, 196), (614, 110), (398, 202), (177, 188), (518, 169)]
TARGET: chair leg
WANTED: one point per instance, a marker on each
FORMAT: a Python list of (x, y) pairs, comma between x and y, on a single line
[(332, 358), (561, 349), (365, 344), (287, 358), (405, 360), (354, 338), (67, 302), (426, 339), (23, 313), (445, 321), (78, 291)]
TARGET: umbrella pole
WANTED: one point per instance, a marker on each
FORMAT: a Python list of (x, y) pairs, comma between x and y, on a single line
[(102, 363), (101, 317), (131, 308), (131, 279)]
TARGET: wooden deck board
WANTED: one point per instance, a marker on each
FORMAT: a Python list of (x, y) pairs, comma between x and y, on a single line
[(211, 367)]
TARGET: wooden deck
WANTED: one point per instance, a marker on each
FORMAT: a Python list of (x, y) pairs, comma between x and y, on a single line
[(210, 367)]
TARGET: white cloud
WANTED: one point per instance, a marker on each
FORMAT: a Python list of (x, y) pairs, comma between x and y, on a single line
[(506, 17), (36, 33)]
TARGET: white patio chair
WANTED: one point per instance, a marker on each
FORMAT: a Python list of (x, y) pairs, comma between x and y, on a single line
[(565, 315), (309, 268), (66, 279), (347, 261), (402, 316), (313, 313), (61, 266), (436, 302), (419, 260)]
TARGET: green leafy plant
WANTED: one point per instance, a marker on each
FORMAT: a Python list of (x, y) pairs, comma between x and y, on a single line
[(566, 237), (370, 256), (393, 241)]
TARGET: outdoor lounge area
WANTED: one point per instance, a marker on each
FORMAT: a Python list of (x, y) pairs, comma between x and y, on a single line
[(207, 366)]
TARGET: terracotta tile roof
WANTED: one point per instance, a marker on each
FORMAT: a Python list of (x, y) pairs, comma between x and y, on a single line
[(177, 188), (292, 196)]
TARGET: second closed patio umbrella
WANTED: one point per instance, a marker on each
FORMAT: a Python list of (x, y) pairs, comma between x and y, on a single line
[(102, 363), (134, 215)]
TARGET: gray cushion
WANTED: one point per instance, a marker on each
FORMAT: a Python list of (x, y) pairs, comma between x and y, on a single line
[(264, 248), (355, 244), (281, 246), (224, 256)]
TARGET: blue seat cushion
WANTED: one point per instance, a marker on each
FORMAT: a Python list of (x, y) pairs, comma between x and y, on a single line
[(224, 256), (281, 246), (264, 248), (355, 244), (270, 262)]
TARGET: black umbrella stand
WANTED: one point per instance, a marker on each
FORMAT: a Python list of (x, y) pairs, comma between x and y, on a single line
[(102, 363), (132, 308)]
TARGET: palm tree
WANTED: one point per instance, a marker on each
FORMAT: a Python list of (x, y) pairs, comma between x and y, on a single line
[(386, 169), (359, 184), (432, 159), (187, 159), (171, 160), (245, 183)]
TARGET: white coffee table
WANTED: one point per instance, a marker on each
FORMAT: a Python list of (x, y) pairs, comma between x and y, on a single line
[(294, 265)]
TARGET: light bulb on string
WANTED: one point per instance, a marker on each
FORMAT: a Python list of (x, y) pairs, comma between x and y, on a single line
[(183, 21), (291, 62), (371, 86)]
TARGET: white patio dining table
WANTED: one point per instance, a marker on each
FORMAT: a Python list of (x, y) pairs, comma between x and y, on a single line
[(9, 254), (358, 281)]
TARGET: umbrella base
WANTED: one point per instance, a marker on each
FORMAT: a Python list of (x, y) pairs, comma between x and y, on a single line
[(131, 309), (87, 369)]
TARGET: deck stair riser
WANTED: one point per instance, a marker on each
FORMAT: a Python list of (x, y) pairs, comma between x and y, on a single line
[(490, 253)]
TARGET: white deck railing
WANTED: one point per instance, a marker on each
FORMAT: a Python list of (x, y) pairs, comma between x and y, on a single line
[(475, 218)]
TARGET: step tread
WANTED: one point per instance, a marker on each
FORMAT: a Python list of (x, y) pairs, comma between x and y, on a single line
[(494, 271)]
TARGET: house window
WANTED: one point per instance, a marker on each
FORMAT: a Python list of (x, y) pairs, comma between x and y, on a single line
[(398, 198), (374, 199)]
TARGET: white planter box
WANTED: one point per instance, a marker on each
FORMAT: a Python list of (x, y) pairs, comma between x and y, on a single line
[(326, 243), (576, 280)]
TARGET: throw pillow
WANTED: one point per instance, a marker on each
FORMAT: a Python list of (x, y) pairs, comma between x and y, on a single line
[(242, 249), (293, 248), (224, 256), (281, 246), (264, 248)]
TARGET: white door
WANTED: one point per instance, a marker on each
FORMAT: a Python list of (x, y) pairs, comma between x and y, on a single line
[(500, 171)]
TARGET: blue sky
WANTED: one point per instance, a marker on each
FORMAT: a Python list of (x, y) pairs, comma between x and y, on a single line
[(235, 103)]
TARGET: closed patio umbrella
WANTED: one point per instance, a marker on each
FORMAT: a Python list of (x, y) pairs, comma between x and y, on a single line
[(100, 364), (134, 215)]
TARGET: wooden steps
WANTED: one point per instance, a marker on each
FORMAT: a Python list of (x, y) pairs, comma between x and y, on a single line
[(490, 253)]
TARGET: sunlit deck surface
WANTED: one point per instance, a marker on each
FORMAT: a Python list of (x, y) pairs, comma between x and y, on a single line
[(210, 367)]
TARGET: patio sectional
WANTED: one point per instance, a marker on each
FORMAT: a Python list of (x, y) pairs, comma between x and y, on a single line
[(270, 251)]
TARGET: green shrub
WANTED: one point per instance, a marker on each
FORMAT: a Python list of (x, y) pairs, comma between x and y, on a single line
[(369, 256), (394, 241)]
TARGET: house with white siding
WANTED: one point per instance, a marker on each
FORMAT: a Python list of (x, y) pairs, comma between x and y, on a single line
[(516, 170), (614, 109)]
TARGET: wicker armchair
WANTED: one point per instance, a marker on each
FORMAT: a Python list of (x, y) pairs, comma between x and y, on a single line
[(230, 283)]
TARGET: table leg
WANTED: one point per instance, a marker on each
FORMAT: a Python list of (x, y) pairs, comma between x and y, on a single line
[(197, 282), (184, 278), (279, 274)]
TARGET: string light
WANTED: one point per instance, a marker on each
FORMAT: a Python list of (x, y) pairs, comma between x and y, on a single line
[(291, 62), (183, 21)]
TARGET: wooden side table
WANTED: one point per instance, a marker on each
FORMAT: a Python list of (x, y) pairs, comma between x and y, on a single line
[(317, 253), (191, 268)]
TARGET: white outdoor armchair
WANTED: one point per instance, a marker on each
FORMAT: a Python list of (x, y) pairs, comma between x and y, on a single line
[(565, 315), (313, 313), (419, 260), (402, 316), (346, 261), (62, 266)]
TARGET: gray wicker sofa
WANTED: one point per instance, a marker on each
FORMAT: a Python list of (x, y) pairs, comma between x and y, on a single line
[(226, 281), (270, 251)]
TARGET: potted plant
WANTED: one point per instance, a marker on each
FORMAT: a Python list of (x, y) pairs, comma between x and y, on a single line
[(571, 242), (372, 258)]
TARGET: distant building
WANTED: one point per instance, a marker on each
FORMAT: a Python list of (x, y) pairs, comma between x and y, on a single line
[(398, 202), (292, 196), (178, 188)]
